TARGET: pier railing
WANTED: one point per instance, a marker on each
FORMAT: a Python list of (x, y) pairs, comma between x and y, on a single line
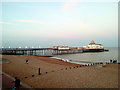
[(38, 51)]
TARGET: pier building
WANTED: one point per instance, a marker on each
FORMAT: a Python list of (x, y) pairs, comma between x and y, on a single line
[(93, 47)]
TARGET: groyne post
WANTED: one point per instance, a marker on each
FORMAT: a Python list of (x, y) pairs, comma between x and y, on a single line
[(39, 71)]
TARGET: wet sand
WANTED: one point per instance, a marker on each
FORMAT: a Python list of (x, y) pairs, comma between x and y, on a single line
[(59, 74)]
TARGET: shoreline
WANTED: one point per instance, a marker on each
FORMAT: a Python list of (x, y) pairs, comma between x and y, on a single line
[(59, 74), (86, 63), (59, 59)]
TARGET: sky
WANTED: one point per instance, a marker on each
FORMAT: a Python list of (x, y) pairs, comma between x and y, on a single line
[(46, 24)]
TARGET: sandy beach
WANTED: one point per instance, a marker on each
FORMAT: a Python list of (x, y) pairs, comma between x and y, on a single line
[(59, 74)]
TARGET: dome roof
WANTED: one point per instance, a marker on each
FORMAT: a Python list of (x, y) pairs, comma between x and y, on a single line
[(92, 42)]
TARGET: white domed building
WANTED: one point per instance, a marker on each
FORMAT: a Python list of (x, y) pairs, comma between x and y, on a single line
[(93, 47)]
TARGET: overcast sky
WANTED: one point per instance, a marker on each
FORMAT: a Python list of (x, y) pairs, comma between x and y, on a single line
[(56, 23)]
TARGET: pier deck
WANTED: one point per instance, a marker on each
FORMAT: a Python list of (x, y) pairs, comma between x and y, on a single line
[(38, 51)]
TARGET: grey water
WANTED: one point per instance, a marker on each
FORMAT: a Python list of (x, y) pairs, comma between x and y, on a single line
[(91, 56)]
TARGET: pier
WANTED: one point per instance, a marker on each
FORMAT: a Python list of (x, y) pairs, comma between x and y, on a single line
[(39, 51)]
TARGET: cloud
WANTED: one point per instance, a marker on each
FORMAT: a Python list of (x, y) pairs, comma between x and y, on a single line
[(69, 5), (2, 22), (33, 21)]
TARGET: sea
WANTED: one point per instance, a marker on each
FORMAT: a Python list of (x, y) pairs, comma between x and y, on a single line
[(90, 57)]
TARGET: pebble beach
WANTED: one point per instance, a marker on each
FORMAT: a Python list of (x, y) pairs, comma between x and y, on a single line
[(59, 74)]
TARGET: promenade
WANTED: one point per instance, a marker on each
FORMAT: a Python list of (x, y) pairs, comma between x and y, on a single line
[(8, 82)]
